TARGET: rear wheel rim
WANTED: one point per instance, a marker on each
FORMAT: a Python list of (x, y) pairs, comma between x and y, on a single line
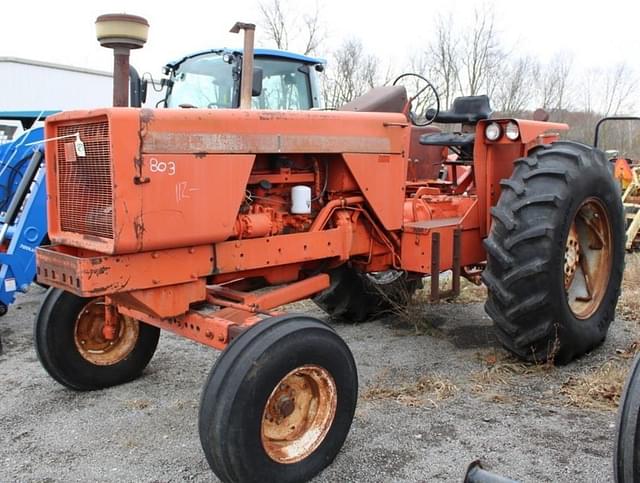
[(298, 414), (587, 258), (90, 340)]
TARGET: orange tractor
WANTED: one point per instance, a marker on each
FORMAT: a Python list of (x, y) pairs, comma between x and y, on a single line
[(205, 222)]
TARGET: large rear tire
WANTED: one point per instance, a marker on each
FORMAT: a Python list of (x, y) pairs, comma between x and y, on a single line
[(72, 349), (354, 296), (279, 402), (555, 253)]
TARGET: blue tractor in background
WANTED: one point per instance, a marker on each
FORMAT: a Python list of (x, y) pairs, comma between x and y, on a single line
[(211, 79), (207, 79), (23, 217)]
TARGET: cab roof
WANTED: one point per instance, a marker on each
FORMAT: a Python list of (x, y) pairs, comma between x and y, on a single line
[(256, 53)]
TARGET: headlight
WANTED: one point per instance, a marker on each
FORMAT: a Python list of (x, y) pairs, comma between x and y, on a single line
[(492, 132), (512, 131)]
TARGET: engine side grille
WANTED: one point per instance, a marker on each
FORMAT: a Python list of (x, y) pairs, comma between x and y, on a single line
[(84, 183)]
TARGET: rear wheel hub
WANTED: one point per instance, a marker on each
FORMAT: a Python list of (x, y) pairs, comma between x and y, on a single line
[(587, 258)]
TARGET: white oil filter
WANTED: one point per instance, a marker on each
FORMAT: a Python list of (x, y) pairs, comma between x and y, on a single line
[(300, 200)]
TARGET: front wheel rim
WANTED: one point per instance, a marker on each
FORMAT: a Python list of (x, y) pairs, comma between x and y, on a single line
[(298, 414), (587, 258), (90, 341)]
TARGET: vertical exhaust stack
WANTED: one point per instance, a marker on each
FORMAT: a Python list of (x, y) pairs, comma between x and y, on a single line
[(246, 81), (121, 32)]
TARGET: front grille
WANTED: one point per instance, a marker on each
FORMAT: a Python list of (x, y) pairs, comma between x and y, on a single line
[(84, 183)]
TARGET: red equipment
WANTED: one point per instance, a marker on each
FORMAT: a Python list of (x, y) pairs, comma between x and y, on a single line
[(174, 218)]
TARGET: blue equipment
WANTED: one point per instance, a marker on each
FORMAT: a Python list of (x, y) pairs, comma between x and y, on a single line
[(23, 213)]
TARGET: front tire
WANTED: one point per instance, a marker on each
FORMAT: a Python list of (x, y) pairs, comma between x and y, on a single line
[(555, 254), (279, 402), (72, 349)]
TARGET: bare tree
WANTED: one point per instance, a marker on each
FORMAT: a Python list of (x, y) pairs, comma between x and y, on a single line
[(605, 92), (421, 64), (553, 82), (609, 91), (480, 55), (274, 23), (588, 86), (352, 72), (442, 60), (315, 31), (619, 85), (284, 25), (514, 91)]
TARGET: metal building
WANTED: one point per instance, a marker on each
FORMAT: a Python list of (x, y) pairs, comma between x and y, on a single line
[(28, 87), (31, 85)]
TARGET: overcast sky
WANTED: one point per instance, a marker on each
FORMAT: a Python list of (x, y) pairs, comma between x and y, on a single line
[(596, 33)]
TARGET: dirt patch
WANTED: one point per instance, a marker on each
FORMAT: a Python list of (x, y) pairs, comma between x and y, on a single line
[(472, 337), (428, 406)]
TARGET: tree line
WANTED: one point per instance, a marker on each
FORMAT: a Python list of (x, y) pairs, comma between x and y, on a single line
[(469, 58)]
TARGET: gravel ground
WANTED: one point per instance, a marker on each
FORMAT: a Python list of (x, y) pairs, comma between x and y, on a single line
[(519, 424)]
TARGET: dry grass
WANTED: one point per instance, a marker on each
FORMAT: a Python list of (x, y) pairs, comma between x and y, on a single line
[(630, 351), (406, 308), (497, 397), (137, 403), (429, 389), (470, 293), (601, 387), (410, 309), (501, 367), (629, 303), (598, 388)]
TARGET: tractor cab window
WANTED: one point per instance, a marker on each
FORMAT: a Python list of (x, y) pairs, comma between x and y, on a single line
[(285, 85), (203, 81)]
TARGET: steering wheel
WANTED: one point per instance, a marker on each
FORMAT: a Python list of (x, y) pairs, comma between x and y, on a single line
[(434, 98)]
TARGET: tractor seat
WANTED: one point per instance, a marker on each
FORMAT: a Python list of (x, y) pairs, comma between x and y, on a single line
[(469, 109), (465, 110), (379, 99)]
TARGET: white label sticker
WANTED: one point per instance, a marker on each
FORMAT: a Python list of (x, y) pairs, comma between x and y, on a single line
[(10, 285), (27, 248), (79, 147)]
